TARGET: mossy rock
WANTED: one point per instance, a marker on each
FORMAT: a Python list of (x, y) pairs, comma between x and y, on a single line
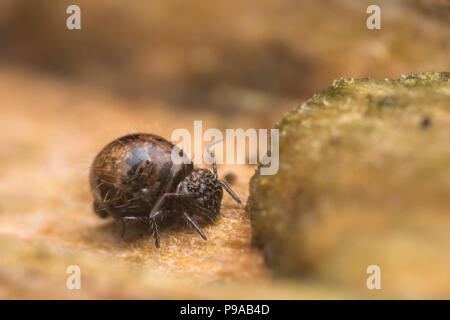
[(364, 179)]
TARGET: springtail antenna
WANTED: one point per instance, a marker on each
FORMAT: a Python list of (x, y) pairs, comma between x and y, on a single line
[(211, 154), (214, 165)]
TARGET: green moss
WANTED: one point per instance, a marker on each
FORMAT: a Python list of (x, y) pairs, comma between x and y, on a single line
[(363, 160)]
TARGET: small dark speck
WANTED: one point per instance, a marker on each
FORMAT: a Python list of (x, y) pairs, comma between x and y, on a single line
[(335, 140), (425, 123), (230, 178)]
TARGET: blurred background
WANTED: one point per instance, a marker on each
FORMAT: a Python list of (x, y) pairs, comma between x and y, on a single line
[(158, 65), (223, 57)]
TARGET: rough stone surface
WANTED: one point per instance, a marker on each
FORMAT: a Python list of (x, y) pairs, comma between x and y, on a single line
[(364, 180), (52, 131)]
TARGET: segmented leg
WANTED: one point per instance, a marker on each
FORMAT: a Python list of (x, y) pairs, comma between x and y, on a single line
[(125, 219), (162, 201), (154, 230), (195, 225), (228, 189)]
